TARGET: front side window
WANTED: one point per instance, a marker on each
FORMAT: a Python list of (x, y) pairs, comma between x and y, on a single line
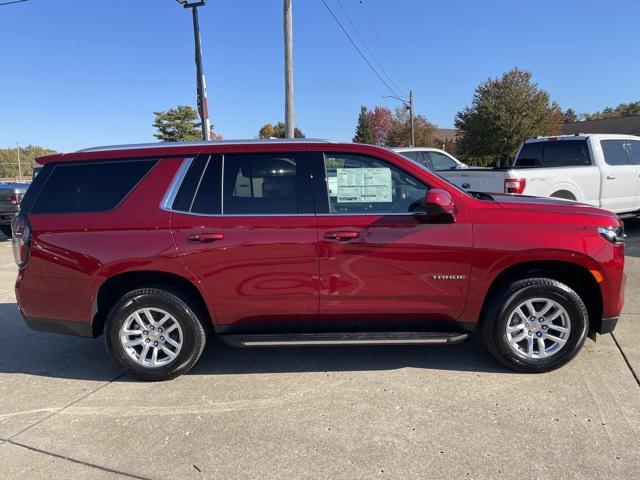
[(261, 184), (90, 187), (441, 162), (358, 184), (614, 152)]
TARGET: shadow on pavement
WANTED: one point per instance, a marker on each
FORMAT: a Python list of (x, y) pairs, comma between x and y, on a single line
[(24, 351)]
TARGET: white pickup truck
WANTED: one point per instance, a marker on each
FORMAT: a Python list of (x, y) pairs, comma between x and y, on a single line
[(601, 170)]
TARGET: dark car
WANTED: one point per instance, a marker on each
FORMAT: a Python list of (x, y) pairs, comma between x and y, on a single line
[(294, 243), (10, 197)]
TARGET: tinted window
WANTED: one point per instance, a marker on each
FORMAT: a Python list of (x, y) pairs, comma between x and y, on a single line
[(90, 187), (261, 183), (361, 184), (633, 148), (184, 198), (415, 156), (614, 152), (565, 153), (441, 162), (208, 199), (530, 155)]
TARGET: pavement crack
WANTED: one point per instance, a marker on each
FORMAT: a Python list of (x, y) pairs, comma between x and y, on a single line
[(78, 462), (626, 359), (65, 407)]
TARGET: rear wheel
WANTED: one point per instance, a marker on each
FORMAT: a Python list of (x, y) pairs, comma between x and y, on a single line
[(152, 334), (535, 325)]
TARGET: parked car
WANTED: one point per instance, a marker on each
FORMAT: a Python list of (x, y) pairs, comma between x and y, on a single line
[(156, 245), (433, 158), (10, 197), (600, 170)]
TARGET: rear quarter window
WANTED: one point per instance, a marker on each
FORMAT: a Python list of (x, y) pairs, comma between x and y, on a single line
[(554, 153), (89, 187)]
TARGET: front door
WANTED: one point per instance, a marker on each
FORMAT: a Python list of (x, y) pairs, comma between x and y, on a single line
[(247, 230), (380, 257)]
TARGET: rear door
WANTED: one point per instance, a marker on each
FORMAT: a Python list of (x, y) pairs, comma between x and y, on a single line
[(380, 259), (244, 225), (619, 178)]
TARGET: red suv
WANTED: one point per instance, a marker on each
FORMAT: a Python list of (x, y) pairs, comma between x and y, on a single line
[(307, 242)]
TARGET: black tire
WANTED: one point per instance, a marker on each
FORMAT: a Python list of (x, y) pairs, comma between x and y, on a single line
[(500, 307), (194, 337), (6, 230)]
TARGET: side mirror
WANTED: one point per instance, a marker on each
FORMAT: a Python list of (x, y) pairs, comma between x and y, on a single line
[(440, 206)]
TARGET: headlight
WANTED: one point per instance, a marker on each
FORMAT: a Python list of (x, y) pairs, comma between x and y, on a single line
[(613, 235)]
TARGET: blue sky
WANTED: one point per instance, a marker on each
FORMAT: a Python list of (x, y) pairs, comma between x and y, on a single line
[(81, 73)]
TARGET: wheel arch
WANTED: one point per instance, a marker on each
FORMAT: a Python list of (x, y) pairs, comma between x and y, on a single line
[(117, 285), (574, 275)]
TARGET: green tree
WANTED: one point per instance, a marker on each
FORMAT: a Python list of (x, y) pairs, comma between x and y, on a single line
[(504, 112), (570, 116), (622, 110), (180, 124), (363, 129), (278, 130)]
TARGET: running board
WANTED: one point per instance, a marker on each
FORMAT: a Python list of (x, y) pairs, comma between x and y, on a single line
[(339, 339)]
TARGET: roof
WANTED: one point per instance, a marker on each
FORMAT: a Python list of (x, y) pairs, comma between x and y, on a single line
[(445, 134), (578, 136), (134, 146), (619, 125)]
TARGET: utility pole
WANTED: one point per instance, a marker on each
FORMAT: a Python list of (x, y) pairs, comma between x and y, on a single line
[(289, 106), (413, 130), (203, 108), (19, 164)]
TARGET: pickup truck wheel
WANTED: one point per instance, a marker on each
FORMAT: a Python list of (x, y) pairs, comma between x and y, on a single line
[(535, 325), (152, 334)]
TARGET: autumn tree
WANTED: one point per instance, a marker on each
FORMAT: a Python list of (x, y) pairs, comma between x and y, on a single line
[(278, 130), (400, 136), (180, 124), (382, 124), (622, 110), (363, 129), (504, 112)]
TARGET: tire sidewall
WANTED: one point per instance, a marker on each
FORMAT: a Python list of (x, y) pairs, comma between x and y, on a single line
[(192, 338), (553, 291)]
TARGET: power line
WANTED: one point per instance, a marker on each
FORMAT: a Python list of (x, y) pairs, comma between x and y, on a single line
[(14, 1), (375, 30), (358, 48), (373, 57)]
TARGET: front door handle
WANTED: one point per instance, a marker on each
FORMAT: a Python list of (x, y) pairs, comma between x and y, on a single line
[(342, 236), (611, 177), (205, 237)]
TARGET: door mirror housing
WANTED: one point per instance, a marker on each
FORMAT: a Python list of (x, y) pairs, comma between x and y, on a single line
[(440, 206)]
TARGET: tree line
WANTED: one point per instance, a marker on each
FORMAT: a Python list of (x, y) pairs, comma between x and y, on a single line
[(28, 155)]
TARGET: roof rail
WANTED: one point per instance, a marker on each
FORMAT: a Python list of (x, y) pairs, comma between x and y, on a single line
[(133, 146)]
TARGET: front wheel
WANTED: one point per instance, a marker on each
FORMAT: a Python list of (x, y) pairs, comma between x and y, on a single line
[(152, 334), (535, 325)]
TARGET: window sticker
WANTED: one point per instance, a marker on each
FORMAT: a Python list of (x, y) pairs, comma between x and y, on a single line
[(358, 185)]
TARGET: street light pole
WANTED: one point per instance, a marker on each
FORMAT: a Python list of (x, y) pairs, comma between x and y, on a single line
[(289, 108), (409, 106), (203, 108)]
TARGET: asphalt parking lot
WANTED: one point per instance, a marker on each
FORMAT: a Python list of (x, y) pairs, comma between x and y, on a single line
[(368, 412)]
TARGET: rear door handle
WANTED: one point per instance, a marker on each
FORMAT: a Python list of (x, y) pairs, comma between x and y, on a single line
[(342, 236), (205, 237), (611, 177)]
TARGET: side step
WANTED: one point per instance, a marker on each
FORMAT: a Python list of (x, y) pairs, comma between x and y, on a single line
[(338, 339)]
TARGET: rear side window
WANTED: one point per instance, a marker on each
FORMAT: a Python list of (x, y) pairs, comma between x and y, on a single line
[(565, 153), (614, 152), (90, 187), (261, 184)]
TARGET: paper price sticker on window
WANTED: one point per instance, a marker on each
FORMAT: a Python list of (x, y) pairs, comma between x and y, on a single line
[(358, 185)]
